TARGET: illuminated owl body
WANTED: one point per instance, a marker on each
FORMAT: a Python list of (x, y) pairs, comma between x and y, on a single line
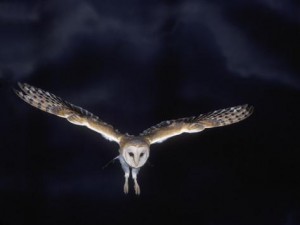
[(134, 150)]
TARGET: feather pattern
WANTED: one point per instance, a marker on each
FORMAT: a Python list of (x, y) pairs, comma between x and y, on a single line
[(134, 150), (50, 103), (217, 118)]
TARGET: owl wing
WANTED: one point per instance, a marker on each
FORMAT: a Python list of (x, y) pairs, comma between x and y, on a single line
[(218, 118), (52, 104)]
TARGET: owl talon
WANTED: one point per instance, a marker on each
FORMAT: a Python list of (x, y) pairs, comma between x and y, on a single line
[(126, 187), (137, 188)]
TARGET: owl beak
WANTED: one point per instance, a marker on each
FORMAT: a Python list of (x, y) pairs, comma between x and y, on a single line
[(136, 160)]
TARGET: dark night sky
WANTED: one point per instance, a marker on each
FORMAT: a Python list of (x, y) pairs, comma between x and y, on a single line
[(134, 64)]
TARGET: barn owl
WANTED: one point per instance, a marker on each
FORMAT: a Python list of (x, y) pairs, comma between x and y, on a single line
[(133, 150)]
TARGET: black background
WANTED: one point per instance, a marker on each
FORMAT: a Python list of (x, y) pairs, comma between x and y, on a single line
[(134, 64)]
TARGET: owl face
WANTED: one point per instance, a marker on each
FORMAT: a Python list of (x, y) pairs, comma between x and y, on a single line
[(135, 155)]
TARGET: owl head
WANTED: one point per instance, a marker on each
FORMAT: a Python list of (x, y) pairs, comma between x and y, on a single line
[(135, 152)]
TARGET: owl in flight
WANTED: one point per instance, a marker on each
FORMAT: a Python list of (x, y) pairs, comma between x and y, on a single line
[(134, 150)]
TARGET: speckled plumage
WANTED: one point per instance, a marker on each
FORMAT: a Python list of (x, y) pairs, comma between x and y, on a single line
[(134, 150), (217, 118)]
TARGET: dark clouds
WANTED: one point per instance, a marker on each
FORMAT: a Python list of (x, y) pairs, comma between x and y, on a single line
[(51, 31), (135, 63), (243, 55), (18, 37)]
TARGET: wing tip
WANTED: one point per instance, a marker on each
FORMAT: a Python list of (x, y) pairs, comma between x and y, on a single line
[(248, 108), (20, 84), (23, 86), (18, 92)]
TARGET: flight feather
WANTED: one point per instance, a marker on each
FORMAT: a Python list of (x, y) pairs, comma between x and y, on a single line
[(217, 118), (50, 103)]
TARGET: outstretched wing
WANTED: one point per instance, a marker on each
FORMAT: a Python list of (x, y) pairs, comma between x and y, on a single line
[(52, 104), (218, 118)]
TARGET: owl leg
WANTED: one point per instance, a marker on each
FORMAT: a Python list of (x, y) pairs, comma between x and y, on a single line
[(135, 172), (126, 170)]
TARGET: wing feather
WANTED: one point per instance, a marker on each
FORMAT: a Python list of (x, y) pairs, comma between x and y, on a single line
[(50, 103), (217, 118)]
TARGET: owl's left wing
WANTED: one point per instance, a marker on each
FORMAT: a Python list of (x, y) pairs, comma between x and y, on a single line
[(218, 118), (50, 103)]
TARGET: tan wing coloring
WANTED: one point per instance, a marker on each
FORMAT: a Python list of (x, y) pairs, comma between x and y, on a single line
[(218, 118), (52, 104)]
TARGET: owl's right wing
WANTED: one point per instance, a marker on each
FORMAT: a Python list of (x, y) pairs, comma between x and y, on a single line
[(218, 118), (50, 103)]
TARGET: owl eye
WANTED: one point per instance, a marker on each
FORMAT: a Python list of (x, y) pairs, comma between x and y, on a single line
[(142, 154), (130, 154)]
